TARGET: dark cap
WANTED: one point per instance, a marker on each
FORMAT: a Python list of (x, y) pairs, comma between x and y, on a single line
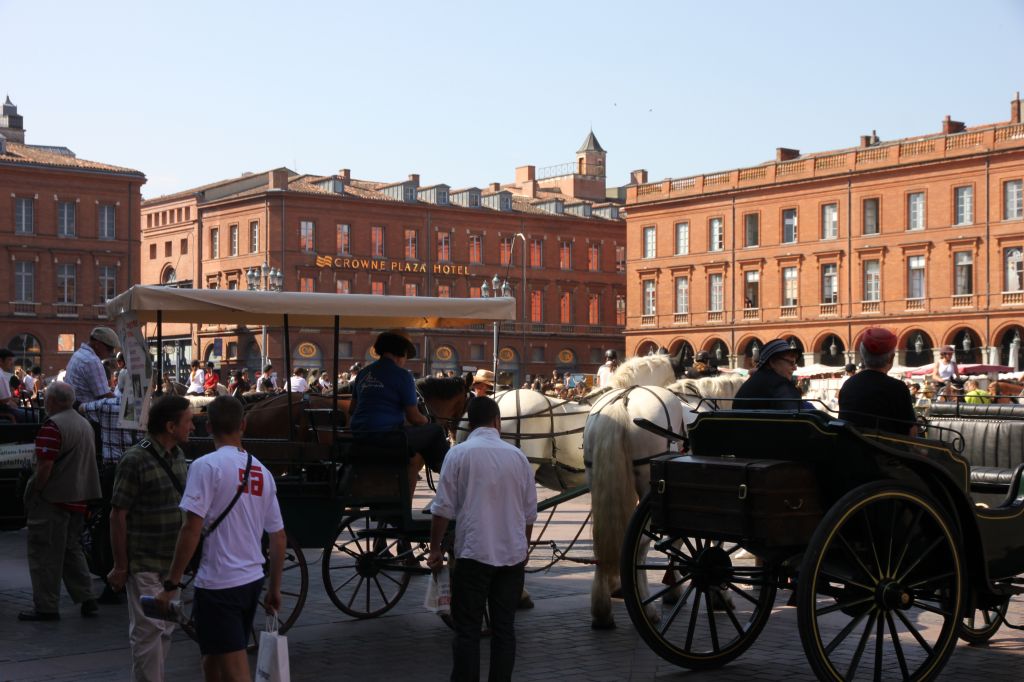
[(773, 348), (878, 341), (851, 367), (703, 356)]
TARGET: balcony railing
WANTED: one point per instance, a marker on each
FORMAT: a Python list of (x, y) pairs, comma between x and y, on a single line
[(23, 307), (716, 315), (963, 301), (828, 309), (915, 304), (681, 318), (1013, 297), (787, 311), (647, 320), (66, 309), (751, 313), (871, 306)]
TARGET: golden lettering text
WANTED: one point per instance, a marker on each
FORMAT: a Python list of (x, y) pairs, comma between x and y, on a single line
[(380, 265)]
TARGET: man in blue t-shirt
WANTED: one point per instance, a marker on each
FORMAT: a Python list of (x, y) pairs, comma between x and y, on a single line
[(384, 399)]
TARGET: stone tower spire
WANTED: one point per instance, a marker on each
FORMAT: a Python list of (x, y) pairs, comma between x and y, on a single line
[(11, 124), (590, 157)]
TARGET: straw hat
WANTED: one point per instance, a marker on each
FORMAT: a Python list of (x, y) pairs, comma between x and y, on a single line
[(105, 335), (483, 376)]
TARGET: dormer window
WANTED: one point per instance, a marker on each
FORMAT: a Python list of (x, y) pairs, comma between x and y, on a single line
[(410, 194), (442, 197), (506, 203), (474, 200)]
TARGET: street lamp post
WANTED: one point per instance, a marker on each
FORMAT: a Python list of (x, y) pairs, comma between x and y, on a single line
[(498, 288), (264, 278)]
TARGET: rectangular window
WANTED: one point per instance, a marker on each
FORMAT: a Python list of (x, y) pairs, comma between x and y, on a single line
[(872, 280), (444, 291), (476, 248), (650, 297), (789, 231), (620, 309), (751, 229), (565, 255), (1013, 200), (167, 249), (716, 236), (411, 245), (716, 293), (66, 218), (475, 292), (593, 309), (963, 273), (830, 221), (752, 289), (915, 211), (536, 306), (594, 257), (565, 308), (343, 286), (377, 241), (412, 289), (65, 343), (537, 354), (344, 349), (307, 236), (790, 287), (66, 283), (682, 295), (650, 242), (476, 351), (24, 281), (215, 242), (682, 239), (24, 215), (254, 236), (108, 282), (915, 277), (152, 251), (377, 288), (964, 208), (620, 259), (1013, 260), (829, 283), (344, 239), (233, 231), (307, 284), (444, 247), (537, 253), (506, 250), (107, 217), (184, 246), (870, 223)]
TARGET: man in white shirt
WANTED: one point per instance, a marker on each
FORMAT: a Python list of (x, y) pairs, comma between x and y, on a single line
[(85, 370), (487, 487), (605, 371), (298, 381), (230, 576)]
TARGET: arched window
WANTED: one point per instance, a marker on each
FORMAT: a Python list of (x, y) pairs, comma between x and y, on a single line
[(28, 352), (169, 276)]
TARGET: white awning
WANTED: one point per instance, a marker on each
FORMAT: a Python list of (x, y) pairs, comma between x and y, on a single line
[(357, 311)]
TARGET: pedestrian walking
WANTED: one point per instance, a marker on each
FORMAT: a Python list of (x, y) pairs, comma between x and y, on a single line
[(230, 500), (144, 522), (487, 488), (65, 478)]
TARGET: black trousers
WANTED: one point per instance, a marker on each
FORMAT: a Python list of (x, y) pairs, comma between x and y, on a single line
[(430, 441), (473, 585)]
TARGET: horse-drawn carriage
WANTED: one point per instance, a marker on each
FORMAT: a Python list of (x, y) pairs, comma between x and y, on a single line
[(888, 556)]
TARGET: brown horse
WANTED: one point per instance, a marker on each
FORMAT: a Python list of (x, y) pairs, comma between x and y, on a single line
[(1006, 392), (445, 400), (269, 417)]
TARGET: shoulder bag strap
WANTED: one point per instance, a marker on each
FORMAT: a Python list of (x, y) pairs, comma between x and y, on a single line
[(151, 449)]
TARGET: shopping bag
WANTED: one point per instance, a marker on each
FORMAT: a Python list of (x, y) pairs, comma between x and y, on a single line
[(272, 664), (439, 593)]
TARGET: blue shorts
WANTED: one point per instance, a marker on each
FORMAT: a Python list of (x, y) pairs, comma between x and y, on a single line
[(223, 618)]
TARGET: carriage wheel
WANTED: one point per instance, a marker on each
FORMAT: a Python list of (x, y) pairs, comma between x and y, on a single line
[(294, 587), (365, 569), (880, 589), (725, 597), (980, 624)]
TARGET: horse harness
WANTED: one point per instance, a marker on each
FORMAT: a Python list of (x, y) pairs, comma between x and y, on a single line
[(624, 397)]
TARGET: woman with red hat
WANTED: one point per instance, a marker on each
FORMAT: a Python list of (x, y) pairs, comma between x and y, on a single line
[(871, 399)]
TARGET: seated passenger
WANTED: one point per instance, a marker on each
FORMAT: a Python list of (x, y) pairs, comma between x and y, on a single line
[(975, 395), (871, 398), (384, 399), (771, 386)]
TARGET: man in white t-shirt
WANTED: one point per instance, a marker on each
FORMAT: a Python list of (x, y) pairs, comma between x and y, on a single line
[(605, 371), (230, 576), (298, 381)]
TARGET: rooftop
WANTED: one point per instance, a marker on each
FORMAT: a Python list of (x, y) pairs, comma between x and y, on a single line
[(56, 157)]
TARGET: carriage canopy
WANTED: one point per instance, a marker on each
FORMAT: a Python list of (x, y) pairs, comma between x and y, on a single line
[(357, 311)]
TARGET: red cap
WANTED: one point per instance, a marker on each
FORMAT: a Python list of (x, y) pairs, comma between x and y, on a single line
[(878, 341)]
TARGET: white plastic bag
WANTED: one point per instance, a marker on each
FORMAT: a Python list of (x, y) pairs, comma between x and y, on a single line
[(272, 664), (439, 593)]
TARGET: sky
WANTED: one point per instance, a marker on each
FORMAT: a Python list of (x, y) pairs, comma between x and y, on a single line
[(463, 92)]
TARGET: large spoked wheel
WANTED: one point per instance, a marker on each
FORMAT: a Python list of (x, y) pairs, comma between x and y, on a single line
[(980, 623), (697, 603), (294, 587), (365, 568), (880, 590)]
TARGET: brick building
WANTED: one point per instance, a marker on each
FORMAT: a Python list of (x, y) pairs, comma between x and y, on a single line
[(923, 235), (339, 234), (70, 236)]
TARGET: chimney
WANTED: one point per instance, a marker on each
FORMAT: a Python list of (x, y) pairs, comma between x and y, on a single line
[(786, 154), (950, 126), (525, 174), (865, 140), (278, 178), (494, 186), (345, 174), (638, 177), (414, 178), (1015, 110)]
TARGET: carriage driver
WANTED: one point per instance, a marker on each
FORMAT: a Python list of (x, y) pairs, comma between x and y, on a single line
[(771, 386), (605, 371), (871, 398), (384, 399)]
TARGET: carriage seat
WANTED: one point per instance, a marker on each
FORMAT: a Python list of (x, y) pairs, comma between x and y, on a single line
[(989, 411), (993, 447), (375, 476)]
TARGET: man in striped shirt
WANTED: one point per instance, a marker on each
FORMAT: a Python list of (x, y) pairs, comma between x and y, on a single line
[(106, 413), (85, 370)]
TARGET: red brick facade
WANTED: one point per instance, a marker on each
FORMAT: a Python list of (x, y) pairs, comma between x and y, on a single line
[(920, 235)]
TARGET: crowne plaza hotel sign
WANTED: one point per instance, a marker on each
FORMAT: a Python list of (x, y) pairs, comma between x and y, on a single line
[(384, 265)]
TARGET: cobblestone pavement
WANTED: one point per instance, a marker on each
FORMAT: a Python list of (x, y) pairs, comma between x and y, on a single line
[(555, 639)]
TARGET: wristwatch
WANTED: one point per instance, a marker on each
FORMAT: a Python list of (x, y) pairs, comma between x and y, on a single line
[(170, 586)]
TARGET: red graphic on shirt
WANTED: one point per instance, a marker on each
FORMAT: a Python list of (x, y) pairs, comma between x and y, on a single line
[(255, 486)]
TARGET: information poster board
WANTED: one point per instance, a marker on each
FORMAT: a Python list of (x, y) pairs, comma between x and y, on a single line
[(137, 395)]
